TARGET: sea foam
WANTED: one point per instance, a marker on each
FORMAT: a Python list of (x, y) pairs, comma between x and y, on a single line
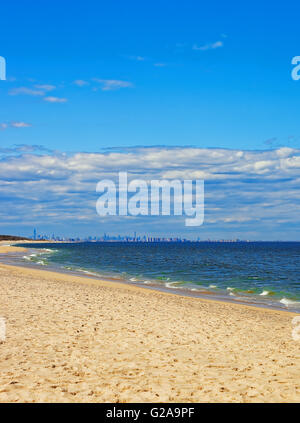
[(287, 302), (265, 293)]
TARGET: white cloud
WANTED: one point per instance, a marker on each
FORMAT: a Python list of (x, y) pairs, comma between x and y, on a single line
[(26, 91), (20, 125), (210, 46), (250, 188), (55, 99), (46, 87), (14, 125), (81, 82), (137, 58), (112, 84)]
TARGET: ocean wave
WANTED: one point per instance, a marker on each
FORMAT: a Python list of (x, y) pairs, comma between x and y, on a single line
[(87, 272), (287, 302), (48, 251), (173, 285), (265, 293)]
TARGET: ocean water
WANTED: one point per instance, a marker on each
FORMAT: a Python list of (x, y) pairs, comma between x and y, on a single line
[(261, 273)]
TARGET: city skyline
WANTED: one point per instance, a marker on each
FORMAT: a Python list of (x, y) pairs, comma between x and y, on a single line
[(132, 238)]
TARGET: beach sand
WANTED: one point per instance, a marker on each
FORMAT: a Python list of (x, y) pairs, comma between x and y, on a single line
[(75, 339), (9, 249), (12, 246)]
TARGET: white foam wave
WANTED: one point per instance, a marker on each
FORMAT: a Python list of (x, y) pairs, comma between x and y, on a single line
[(172, 285), (48, 251), (87, 272), (265, 293), (287, 302)]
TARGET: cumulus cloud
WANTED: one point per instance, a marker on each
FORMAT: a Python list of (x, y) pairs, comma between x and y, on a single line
[(245, 191)]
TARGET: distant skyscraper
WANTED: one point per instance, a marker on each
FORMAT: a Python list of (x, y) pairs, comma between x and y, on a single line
[(34, 233)]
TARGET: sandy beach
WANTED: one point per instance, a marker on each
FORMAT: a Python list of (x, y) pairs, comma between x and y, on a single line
[(75, 339)]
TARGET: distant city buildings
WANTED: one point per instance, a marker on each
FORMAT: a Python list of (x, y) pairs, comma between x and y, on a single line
[(125, 238)]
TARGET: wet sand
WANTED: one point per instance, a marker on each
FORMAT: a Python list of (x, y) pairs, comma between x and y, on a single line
[(76, 339)]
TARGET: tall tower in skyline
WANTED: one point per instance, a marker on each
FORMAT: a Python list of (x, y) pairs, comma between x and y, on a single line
[(34, 233)]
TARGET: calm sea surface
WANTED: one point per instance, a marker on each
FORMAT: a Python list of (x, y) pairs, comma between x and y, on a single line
[(265, 273)]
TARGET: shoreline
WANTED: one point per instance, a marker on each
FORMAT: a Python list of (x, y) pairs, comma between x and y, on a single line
[(77, 339), (205, 296), (84, 279), (114, 283)]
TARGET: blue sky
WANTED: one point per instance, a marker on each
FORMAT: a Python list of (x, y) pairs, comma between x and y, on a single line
[(84, 77)]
